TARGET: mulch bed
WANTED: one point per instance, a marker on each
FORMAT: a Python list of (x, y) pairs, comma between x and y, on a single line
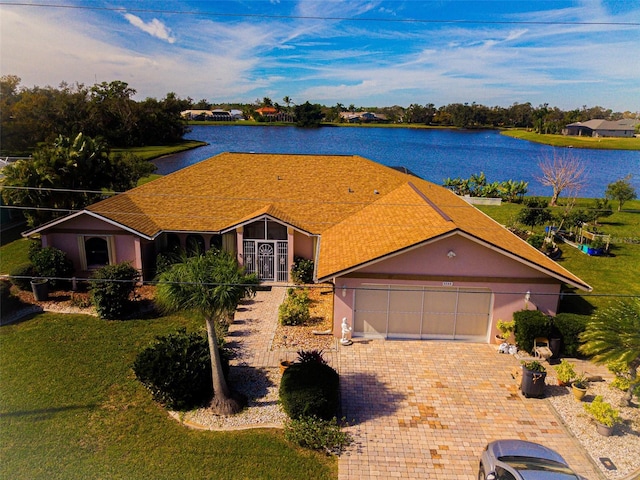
[(302, 337)]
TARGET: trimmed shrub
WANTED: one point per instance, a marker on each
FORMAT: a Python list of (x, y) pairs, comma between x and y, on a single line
[(310, 389), (318, 434), (177, 370), (295, 308), (570, 326), (22, 274), (52, 263), (111, 289), (302, 271), (529, 325)]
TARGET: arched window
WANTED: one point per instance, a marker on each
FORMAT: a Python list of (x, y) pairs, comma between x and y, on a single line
[(195, 245), (173, 243), (216, 242), (97, 251)]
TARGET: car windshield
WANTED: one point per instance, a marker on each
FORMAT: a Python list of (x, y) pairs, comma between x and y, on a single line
[(538, 468)]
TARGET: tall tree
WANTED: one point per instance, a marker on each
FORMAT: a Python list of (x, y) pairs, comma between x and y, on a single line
[(308, 115), (561, 173), (68, 175), (211, 284), (612, 336), (621, 191)]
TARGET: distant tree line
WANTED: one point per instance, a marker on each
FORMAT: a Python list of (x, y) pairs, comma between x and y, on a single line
[(30, 116), (543, 118)]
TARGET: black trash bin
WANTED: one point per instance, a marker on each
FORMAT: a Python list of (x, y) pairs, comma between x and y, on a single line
[(40, 288)]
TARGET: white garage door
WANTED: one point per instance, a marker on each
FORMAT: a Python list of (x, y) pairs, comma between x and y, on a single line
[(400, 311)]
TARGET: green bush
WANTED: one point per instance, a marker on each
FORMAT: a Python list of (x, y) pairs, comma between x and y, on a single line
[(111, 289), (177, 370), (310, 389), (295, 308), (529, 325), (570, 326), (52, 263), (9, 302), (317, 434), (536, 240), (302, 271), (22, 274)]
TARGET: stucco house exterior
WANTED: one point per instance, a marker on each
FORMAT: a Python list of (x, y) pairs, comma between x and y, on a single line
[(407, 258), (602, 128)]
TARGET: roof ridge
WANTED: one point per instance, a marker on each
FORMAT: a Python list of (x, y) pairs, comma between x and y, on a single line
[(430, 203)]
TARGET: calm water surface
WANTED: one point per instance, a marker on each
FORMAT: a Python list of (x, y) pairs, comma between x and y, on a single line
[(432, 154)]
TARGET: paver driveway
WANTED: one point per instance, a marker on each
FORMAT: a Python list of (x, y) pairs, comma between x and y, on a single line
[(426, 409)]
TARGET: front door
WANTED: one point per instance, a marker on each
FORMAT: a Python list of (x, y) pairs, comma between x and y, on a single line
[(266, 261)]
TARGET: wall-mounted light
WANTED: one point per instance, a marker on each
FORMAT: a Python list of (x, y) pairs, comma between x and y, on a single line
[(527, 297), (344, 291), (451, 254)]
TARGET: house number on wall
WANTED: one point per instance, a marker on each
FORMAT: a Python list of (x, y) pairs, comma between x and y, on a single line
[(447, 284)]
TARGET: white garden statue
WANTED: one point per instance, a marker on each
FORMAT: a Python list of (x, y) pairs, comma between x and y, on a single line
[(345, 340)]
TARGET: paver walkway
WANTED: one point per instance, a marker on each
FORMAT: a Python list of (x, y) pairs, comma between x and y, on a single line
[(418, 409)]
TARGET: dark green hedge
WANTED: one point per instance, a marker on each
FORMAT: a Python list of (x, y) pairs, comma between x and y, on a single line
[(310, 389), (570, 326), (529, 325)]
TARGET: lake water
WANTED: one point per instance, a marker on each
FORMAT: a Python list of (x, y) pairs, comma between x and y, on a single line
[(432, 154)]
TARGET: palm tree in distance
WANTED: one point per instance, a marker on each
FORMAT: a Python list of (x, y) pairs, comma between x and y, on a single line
[(211, 284), (612, 336)]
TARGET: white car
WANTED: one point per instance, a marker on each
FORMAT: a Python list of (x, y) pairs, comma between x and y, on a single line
[(521, 460)]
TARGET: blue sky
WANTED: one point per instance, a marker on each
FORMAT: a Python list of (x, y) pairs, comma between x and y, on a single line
[(366, 53)]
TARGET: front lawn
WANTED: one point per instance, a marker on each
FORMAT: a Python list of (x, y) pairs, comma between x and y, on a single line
[(72, 408)]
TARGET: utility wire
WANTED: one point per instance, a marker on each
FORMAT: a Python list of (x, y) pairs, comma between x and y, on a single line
[(319, 17), (324, 286)]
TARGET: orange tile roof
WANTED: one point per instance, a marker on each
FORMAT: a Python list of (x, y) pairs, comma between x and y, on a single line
[(340, 198)]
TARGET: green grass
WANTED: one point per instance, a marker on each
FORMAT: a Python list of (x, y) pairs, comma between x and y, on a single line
[(618, 274), (606, 143), (155, 151), (71, 408), (13, 253)]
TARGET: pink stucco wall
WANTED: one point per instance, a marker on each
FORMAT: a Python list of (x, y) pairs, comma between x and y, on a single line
[(303, 245), (127, 246), (507, 279)]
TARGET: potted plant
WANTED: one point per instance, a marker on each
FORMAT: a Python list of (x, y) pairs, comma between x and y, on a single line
[(604, 414), (579, 386), (565, 372), (533, 378), (506, 329)]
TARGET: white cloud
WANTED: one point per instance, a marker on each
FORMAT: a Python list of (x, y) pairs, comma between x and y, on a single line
[(155, 27)]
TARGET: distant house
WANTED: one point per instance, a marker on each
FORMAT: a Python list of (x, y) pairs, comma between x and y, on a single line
[(216, 115), (362, 117), (406, 258), (602, 128)]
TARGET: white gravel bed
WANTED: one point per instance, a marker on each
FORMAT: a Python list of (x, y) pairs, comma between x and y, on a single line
[(261, 386), (622, 448)]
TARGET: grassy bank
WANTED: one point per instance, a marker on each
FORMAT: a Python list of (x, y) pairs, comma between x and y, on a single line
[(156, 151), (71, 408), (574, 141)]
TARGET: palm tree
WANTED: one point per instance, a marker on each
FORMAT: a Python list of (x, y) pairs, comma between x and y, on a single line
[(211, 284), (613, 335)]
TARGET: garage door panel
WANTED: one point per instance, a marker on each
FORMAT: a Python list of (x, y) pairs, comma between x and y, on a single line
[(421, 312), (438, 325), (372, 306), (471, 325), (405, 325)]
